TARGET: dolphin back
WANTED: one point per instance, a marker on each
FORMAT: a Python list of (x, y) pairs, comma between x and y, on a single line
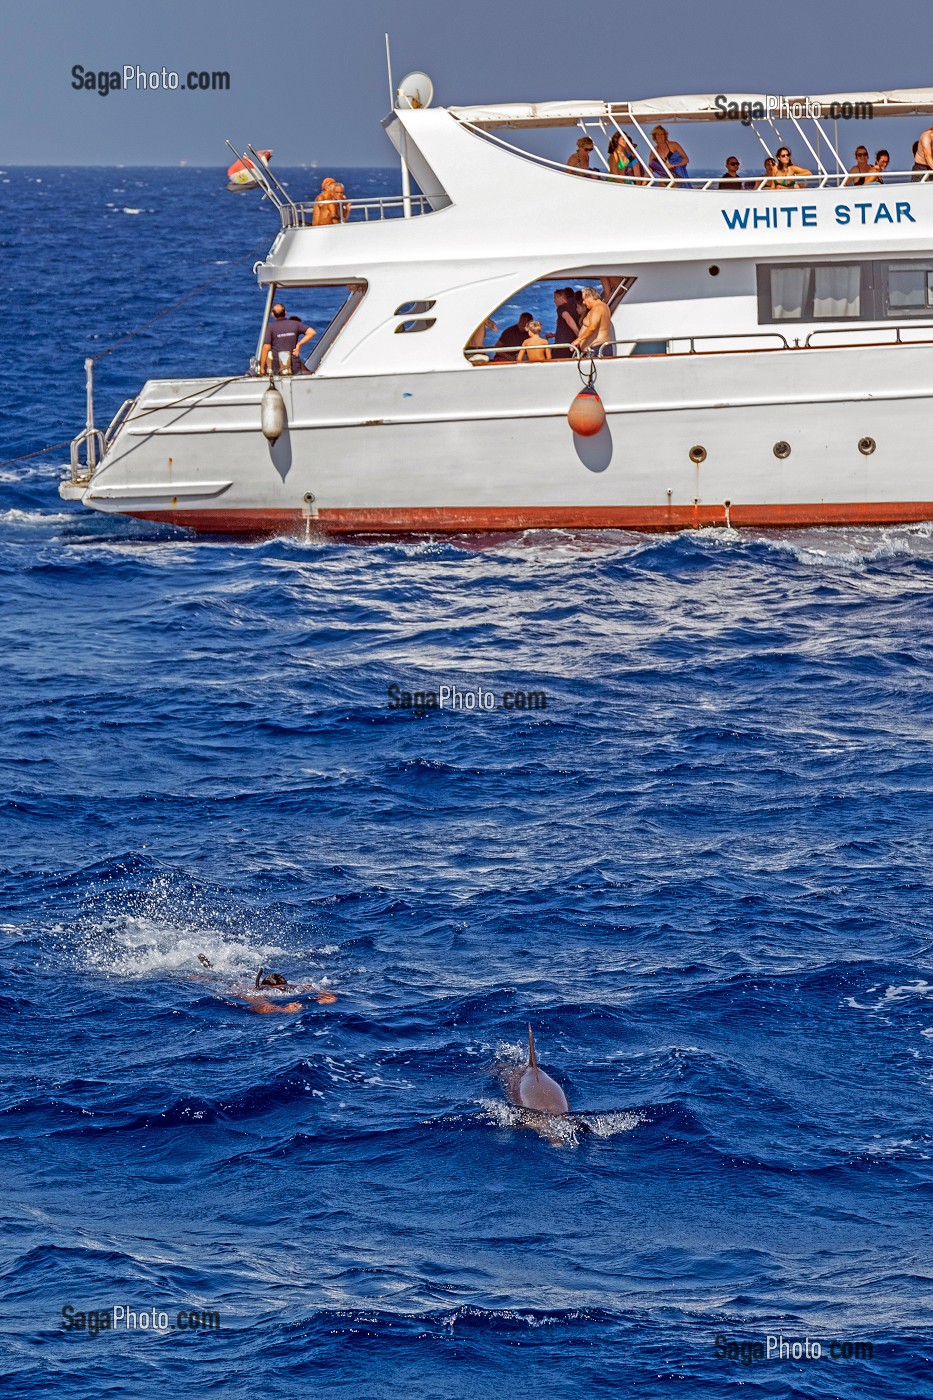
[(539, 1091), (529, 1087)]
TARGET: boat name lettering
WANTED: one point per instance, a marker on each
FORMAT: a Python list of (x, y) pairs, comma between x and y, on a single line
[(781, 216)]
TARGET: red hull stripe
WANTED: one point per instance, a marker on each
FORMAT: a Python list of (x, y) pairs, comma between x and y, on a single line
[(458, 520)]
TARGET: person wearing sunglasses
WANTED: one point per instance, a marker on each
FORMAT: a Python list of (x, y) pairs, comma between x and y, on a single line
[(860, 169), (729, 180), (786, 172)]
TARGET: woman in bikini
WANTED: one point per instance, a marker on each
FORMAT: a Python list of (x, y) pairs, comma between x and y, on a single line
[(786, 175), (623, 160)]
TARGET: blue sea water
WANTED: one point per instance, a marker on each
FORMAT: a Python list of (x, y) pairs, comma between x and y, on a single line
[(702, 873)]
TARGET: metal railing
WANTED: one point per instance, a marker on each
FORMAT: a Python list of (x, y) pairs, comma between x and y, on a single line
[(883, 335), (349, 211), (823, 179)]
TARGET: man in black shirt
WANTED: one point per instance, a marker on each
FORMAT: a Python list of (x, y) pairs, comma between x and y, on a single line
[(730, 176), (284, 334)]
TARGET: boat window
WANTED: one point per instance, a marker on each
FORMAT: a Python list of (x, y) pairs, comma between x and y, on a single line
[(413, 308), (498, 339), (836, 291), (410, 327), (789, 286), (909, 289), (814, 292), (326, 306)]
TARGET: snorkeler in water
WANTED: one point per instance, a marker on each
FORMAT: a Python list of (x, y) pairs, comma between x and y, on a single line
[(274, 982)]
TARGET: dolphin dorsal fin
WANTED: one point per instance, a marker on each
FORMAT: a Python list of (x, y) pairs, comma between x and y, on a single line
[(532, 1057)]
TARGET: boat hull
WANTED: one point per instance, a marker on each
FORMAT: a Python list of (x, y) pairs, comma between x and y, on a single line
[(834, 436)]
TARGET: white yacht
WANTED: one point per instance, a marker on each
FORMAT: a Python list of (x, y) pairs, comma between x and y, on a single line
[(770, 360)]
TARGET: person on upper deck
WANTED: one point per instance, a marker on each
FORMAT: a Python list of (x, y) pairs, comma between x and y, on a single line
[(729, 180), (876, 174), (579, 162), (786, 174), (860, 169), (923, 156), (284, 334), (671, 153), (623, 161), (770, 166), (596, 331), (567, 327), (330, 206)]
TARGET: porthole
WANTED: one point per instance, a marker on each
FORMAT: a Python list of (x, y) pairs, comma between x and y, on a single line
[(713, 270), (697, 454), (866, 446), (410, 327), (413, 308), (781, 450)]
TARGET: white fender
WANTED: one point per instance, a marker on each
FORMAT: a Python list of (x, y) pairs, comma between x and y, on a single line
[(272, 414)]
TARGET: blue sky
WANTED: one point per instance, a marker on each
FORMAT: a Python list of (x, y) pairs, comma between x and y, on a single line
[(308, 79)]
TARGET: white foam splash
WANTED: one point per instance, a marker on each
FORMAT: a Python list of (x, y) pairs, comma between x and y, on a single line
[(33, 517), (141, 945), (561, 1130)]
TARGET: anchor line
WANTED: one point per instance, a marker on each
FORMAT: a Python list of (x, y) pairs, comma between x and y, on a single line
[(144, 413), (130, 335), (10, 461), (101, 354)]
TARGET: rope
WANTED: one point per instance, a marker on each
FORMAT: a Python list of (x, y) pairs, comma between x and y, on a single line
[(27, 456), (41, 453), (130, 335)]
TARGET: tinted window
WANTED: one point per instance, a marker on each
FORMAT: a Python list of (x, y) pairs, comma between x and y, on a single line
[(910, 289)]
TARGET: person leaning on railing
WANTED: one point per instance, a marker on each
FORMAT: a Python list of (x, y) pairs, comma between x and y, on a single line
[(331, 205), (729, 180), (860, 169), (667, 153), (596, 331), (786, 174), (623, 162), (923, 156), (875, 175)]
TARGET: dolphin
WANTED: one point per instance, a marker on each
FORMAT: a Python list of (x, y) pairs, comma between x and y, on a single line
[(529, 1087)]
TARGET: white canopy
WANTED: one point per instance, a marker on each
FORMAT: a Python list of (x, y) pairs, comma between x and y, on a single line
[(901, 102)]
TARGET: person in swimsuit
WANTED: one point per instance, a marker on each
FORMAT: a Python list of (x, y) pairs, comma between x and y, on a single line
[(596, 331), (786, 175), (768, 182), (579, 162), (671, 153), (923, 156), (272, 982), (860, 169), (882, 161), (535, 348), (623, 160)]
